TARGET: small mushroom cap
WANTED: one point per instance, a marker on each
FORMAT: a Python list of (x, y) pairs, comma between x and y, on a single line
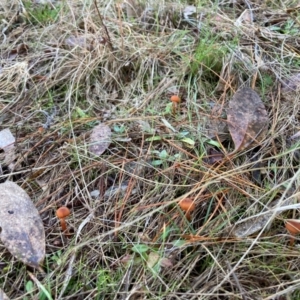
[(62, 212), (292, 226), (187, 204), (175, 99)]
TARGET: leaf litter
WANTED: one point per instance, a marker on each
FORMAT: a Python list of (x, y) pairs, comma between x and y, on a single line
[(22, 230), (100, 139), (111, 70), (247, 119)]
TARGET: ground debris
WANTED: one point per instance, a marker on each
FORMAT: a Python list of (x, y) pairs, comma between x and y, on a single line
[(22, 228), (247, 119)]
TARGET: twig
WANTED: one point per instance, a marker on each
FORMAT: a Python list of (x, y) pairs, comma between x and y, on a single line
[(109, 43)]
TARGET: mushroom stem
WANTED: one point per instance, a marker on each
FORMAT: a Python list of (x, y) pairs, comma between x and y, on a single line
[(63, 224), (174, 108), (188, 216)]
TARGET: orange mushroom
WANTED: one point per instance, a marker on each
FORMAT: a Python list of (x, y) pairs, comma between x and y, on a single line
[(175, 99), (62, 213), (293, 227), (187, 205), (175, 102)]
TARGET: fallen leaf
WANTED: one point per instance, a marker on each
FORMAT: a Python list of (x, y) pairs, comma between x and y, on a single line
[(188, 142), (100, 139), (168, 125), (22, 231), (95, 194), (7, 143), (250, 226), (189, 12), (6, 138), (291, 84), (43, 184), (88, 42), (153, 259), (295, 136), (253, 224), (247, 119), (214, 156), (3, 295), (166, 262), (126, 259), (117, 190), (140, 248), (146, 127)]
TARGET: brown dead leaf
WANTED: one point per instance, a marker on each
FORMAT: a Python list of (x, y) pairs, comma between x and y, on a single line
[(100, 139), (22, 231), (214, 156), (247, 119), (166, 262)]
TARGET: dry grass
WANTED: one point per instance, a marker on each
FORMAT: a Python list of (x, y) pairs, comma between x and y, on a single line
[(60, 75)]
